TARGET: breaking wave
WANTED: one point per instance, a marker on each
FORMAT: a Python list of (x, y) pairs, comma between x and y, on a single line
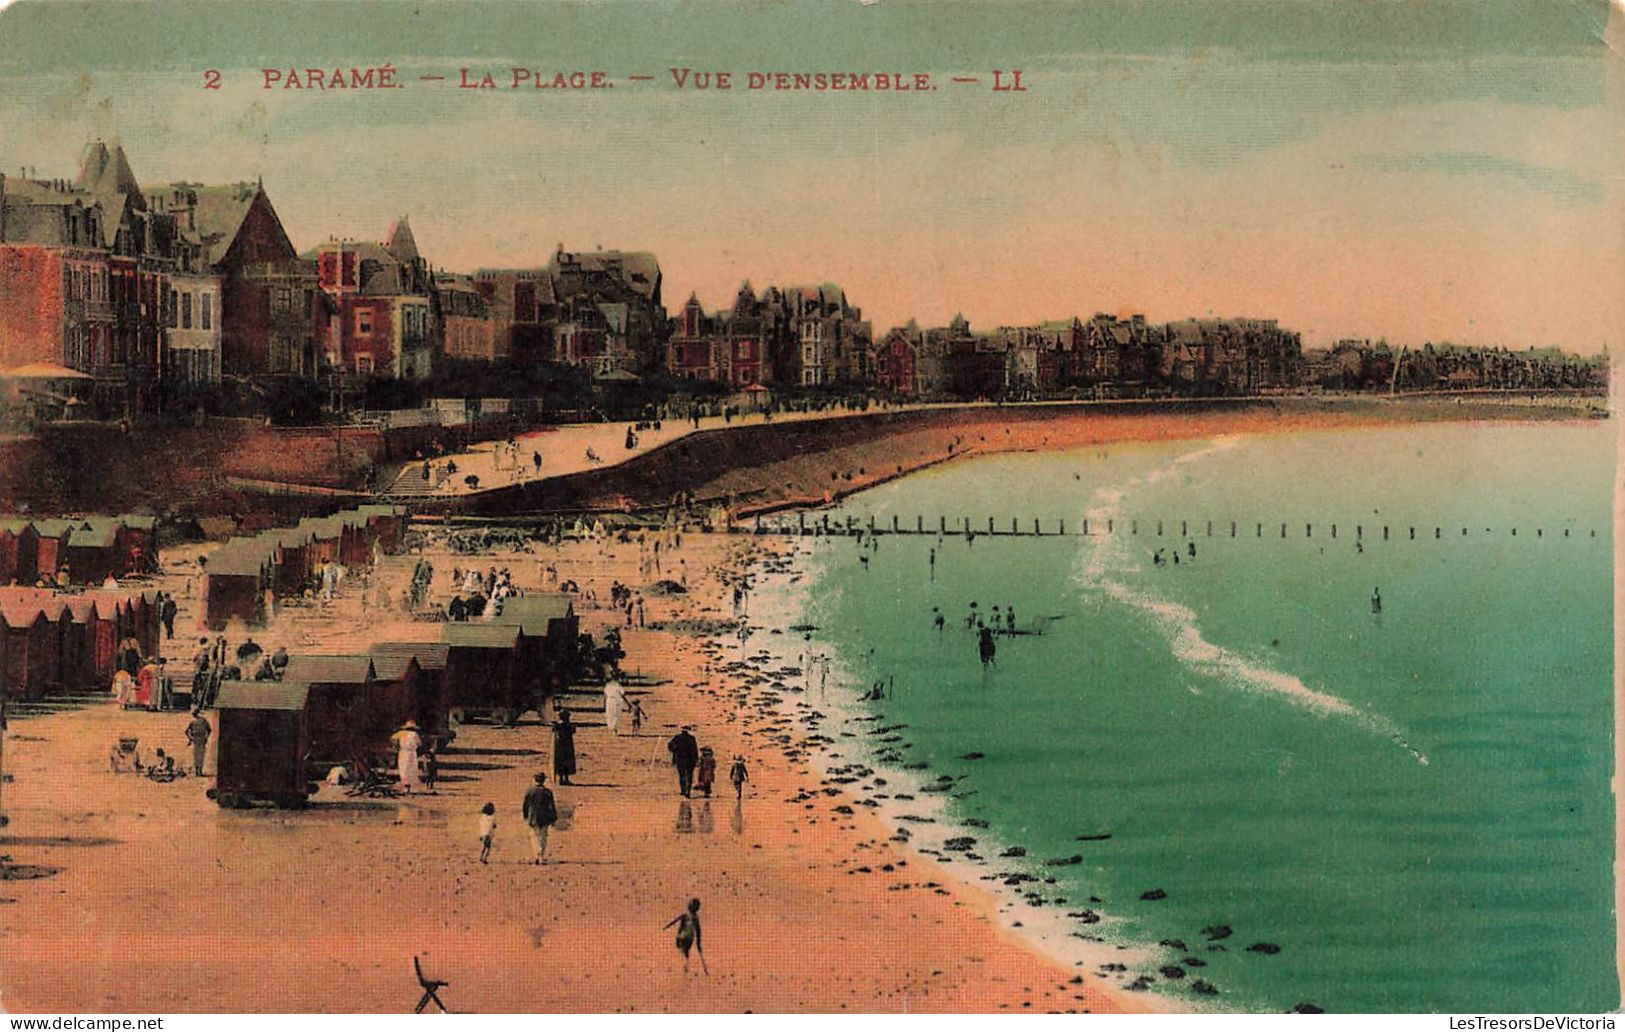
[(1178, 623)]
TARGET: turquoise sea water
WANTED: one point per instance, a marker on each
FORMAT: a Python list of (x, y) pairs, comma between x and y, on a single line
[(1413, 805)]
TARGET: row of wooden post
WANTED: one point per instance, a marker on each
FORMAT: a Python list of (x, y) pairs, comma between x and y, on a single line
[(851, 526)]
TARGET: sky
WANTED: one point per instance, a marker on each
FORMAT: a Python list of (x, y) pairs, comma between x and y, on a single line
[(1408, 169)]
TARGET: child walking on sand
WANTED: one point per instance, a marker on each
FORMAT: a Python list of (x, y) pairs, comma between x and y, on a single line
[(738, 775), (488, 830), (688, 934), (706, 775)]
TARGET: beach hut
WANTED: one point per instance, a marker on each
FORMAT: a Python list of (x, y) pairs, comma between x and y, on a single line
[(355, 543), (480, 669), (351, 716), (137, 544), (91, 550), (19, 552), (263, 743), (548, 629), (430, 703), (293, 560), (99, 612), (52, 550), (233, 584), (387, 523), (27, 655)]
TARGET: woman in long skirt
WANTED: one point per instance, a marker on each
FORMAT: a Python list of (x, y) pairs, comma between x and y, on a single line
[(564, 748), (407, 743)]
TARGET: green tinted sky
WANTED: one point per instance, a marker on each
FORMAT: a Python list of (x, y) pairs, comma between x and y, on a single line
[(1415, 169)]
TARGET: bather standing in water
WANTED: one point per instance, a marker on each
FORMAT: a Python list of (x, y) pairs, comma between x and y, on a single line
[(987, 648), (1376, 601)]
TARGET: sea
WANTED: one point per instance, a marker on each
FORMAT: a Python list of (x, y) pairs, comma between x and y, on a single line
[(1239, 764)]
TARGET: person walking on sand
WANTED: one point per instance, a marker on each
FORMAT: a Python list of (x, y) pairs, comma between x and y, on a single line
[(488, 830), (564, 748), (688, 933), (197, 734), (407, 742), (987, 648), (614, 704), (685, 755), (540, 813), (705, 775), (937, 619), (738, 775)]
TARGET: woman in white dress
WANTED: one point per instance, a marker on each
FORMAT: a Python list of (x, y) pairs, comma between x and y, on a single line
[(407, 743), (614, 705)]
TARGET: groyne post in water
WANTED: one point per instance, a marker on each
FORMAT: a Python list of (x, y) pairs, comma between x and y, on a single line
[(919, 524), (942, 524), (1232, 528), (1385, 532), (1182, 531), (1334, 532)]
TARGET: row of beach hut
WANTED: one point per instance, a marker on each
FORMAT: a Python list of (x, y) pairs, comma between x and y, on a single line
[(278, 737), (242, 570), (89, 548), (53, 642)]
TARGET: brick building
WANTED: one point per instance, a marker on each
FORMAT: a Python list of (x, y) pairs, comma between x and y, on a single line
[(382, 303)]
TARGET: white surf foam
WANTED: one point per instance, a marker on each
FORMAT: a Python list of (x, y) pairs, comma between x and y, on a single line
[(1109, 554)]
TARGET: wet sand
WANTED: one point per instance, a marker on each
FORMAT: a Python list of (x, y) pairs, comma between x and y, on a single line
[(157, 900)]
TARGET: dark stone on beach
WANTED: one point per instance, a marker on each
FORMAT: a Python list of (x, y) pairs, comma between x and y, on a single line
[(1113, 967), (1305, 1008), (1217, 948), (916, 765), (1204, 988), (1064, 861), (1088, 917), (1154, 894), (959, 844), (1268, 949), (1094, 899), (975, 822), (973, 756), (1216, 932), (1015, 851), (1173, 944), (1170, 971), (1194, 962), (1141, 984), (843, 809)]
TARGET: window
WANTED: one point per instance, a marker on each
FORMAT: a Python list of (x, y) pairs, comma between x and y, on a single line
[(363, 321), (363, 363), (205, 304), (174, 310), (283, 299), (186, 310), (310, 301)]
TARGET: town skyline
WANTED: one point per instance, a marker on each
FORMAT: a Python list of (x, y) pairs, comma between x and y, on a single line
[(1349, 174)]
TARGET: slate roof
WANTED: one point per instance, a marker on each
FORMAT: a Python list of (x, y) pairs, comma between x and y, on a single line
[(217, 216)]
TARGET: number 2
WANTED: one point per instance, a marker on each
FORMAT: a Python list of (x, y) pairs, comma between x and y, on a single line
[(211, 79)]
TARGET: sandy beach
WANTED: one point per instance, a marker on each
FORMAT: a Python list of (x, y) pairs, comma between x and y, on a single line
[(153, 899)]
